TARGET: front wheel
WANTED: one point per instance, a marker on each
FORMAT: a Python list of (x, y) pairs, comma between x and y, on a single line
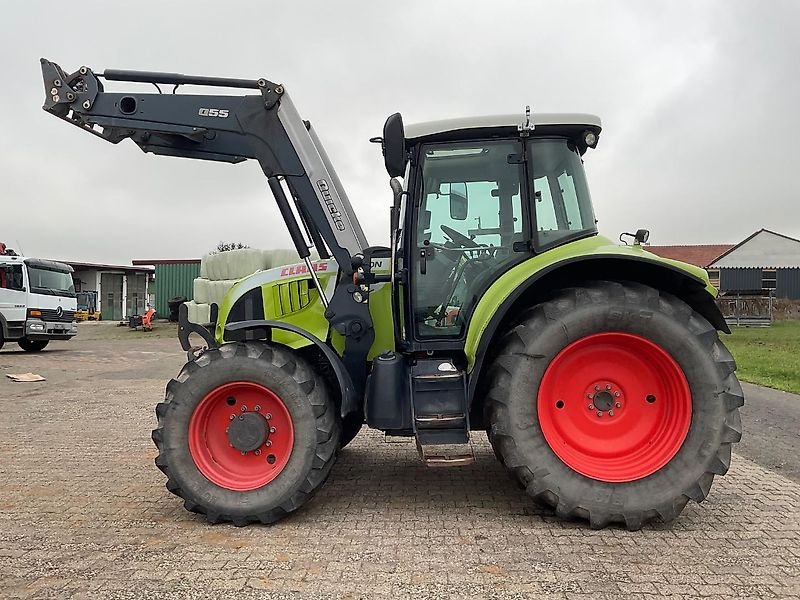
[(614, 402), (32, 345), (247, 433)]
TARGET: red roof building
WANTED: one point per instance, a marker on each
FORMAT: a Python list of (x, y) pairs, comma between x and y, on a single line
[(700, 255)]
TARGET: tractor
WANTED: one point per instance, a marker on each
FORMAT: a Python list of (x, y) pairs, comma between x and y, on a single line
[(596, 369)]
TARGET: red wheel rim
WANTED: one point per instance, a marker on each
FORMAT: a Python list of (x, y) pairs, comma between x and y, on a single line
[(614, 407), (211, 445)]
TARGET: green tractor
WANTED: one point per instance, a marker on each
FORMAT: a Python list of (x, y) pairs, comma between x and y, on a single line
[(596, 369)]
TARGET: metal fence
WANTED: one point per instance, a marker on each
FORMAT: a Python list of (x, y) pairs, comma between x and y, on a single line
[(747, 309)]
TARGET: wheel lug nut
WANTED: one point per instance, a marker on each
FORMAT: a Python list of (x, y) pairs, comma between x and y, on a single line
[(599, 413), (268, 443), (611, 413), (590, 396), (608, 387), (616, 394), (618, 405), (243, 453), (258, 452), (233, 417), (269, 416), (244, 409), (590, 407), (597, 388), (257, 408), (272, 430)]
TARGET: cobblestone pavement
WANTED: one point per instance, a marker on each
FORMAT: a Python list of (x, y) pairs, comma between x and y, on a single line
[(84, 513)]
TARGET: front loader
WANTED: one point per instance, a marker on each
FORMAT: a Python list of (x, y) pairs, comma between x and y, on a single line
[(596, 369)]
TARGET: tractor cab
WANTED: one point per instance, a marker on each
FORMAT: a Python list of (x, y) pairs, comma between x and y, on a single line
[(482, 195)]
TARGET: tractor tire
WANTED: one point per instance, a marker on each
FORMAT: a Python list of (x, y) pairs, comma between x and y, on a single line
[(32, 345), (615, 403), (246, 433)]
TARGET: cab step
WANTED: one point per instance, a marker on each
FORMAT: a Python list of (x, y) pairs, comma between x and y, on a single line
[(440, 415), (450, 455)]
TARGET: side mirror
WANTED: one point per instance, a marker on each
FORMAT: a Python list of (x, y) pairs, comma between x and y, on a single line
[(394, 146), (458, 201)]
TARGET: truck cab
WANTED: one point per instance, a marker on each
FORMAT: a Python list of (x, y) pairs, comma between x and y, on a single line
[(37, 302)]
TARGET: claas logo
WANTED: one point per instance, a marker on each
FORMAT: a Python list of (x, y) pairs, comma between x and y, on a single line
[(302, 269)]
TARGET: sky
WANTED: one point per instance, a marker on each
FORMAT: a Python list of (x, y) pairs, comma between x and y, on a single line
[(700, 103)]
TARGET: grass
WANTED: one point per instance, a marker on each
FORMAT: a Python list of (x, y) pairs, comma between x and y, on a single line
[(768, 356)]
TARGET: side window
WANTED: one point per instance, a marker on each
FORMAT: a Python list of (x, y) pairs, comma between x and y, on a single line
[(545, 210), (570, 196), (561, 197), (11, 277)]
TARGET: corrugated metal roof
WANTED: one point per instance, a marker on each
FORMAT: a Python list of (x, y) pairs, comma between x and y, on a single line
[(764, 249), (700, 255), (80, 266), (167, 261)]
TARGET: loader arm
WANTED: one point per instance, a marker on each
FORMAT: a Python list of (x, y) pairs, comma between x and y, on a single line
[(263, 126)]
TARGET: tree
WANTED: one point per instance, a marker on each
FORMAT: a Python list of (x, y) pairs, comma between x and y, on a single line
[(227, 246)]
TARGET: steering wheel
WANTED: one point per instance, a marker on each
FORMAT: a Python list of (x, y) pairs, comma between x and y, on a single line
[(459, 237)]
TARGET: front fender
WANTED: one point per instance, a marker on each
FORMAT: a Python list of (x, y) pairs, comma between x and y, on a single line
[(350, 402), (284, 294)]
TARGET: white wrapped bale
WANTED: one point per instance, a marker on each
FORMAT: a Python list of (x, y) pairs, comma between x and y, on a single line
[(198, 313), (233, 264), (236, 264), (218, 289), (200, 287)]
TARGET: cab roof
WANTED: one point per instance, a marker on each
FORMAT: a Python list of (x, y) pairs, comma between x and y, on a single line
[(500, 124)]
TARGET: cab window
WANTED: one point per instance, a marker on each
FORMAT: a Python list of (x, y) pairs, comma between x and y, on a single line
[(11, 277), (561, 196)]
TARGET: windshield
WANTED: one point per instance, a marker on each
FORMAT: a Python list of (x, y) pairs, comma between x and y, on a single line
[(561, 196), (51, 282)]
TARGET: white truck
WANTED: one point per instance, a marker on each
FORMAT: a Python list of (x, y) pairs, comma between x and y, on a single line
[(37, 302)]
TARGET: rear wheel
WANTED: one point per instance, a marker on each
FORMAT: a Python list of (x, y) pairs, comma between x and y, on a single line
[(246, 434), (32, 345), (614, 403)]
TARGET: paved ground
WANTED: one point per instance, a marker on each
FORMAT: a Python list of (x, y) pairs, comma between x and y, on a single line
[(84, 513), (772, 423)]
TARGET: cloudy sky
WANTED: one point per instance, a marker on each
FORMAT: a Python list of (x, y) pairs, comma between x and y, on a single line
[(699, 101)]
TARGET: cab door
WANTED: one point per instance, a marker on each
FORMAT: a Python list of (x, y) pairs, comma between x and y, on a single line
[(470, 225), (12, 299)]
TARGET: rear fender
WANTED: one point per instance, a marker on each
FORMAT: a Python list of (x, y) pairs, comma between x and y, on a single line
[(571, 265)]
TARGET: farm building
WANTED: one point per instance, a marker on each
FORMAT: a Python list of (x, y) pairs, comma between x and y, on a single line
[(173, 278), (120, 290), (765, 262)]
